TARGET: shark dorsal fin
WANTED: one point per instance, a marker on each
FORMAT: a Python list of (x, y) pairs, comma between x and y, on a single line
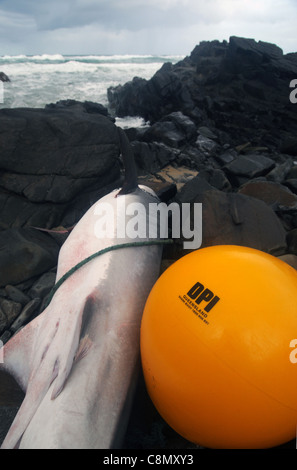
[(130, 181)]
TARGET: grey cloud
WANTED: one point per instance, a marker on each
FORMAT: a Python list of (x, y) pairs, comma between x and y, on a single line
[(14, 25), (114, 14), (66, 24)]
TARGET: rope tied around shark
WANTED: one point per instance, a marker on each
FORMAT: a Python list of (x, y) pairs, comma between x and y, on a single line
[(98, 253)]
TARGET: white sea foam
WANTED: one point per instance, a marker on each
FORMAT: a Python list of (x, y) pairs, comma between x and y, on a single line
[(12, 57), (130, 121), (46, 57)]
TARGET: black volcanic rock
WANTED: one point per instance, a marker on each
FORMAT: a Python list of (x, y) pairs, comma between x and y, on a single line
[(4, 77), (235, 219), (86, 106), (274, 194), (249, 166), (25, 253), (55, 141), (241, 136), (49, 157), (174, 129), (240, 87)]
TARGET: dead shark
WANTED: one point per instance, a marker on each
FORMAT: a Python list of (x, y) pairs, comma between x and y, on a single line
[(78, 360)]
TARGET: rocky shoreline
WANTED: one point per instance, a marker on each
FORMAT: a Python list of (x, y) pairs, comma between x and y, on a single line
[(221, 130)]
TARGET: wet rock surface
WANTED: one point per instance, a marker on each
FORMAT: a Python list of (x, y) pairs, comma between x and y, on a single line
[(4, 77)]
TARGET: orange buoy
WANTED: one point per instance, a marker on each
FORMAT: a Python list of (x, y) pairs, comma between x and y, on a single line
[(215, 348)]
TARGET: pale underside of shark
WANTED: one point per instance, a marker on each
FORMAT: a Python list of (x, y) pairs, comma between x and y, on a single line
[(78, 360)]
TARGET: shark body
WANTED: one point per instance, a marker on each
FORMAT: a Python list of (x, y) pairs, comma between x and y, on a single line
[(78, 360)]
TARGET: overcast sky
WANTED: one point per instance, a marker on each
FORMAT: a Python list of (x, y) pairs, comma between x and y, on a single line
[(140, 26)]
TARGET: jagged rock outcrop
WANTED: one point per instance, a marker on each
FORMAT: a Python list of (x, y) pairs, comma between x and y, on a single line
[(239, 87)]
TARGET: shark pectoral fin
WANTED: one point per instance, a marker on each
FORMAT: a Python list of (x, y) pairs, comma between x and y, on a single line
[(17, 352), (48, 367), (55, 342), (75, 344)]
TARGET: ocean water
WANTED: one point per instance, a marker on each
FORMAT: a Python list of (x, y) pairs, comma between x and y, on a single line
[(42, 79)]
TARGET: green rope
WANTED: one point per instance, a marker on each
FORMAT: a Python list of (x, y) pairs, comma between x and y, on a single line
[(98, 253)]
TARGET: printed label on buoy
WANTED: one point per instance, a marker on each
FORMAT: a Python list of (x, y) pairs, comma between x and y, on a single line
[(197, 297)]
